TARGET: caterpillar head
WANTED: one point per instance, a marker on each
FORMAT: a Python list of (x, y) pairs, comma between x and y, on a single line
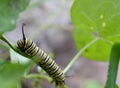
[(21, 42)]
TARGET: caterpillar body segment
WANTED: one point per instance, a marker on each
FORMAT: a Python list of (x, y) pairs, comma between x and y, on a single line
[(27, 46)]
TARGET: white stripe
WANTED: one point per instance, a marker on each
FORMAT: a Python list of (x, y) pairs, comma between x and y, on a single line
[(47, 58), (59, 74), (51, 64), (56, 69), (41, 54)]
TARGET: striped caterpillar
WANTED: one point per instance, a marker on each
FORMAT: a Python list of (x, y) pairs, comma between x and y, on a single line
[(27, 46)]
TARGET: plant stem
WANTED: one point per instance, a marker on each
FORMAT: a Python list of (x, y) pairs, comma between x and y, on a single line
[(38, 76), (7, 41), (113, 66), (15, 48), (78, 54)]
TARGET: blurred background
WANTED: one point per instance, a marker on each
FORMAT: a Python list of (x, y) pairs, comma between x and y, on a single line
[(49, 25)]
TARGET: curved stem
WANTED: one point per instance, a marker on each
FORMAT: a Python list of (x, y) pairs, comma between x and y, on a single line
[(7, 41), (78, 54), (38, 76), (15, 48)]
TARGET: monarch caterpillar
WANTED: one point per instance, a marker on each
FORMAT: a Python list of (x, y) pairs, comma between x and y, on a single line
[(27, 46)]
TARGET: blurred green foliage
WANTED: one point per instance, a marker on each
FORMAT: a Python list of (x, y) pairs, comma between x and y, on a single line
[(9, 12), (92, 84), (11, 74), (116, 86), (96, 19), (17, 58)]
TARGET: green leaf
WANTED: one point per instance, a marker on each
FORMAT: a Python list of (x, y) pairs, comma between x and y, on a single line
[(17, 58), (96, 19), (9, 12), (11, 74)]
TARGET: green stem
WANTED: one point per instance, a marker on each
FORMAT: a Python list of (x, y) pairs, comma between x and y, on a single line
[(38, 76), (15, 48), (113, 66), (7, 41), (78, 54)]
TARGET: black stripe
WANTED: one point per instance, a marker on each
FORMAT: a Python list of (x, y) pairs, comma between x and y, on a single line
[(21, 46), (30, 45), (59, 75), (42, 53), (36, 52), (51, 65), (21, 42), (32, 48), (28, 50), (46, 60), (55, 71), (18, 45)]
